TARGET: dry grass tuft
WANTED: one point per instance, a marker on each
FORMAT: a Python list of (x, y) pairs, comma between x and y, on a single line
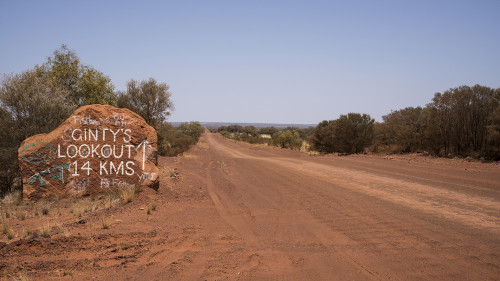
[(151, 208), (7, 230), (173, 173), (105, 224), (128, 192), (77, 210), (22, 276), (45, 230), (15, 198), (66, 273), (45, 210), (28, 232), (21, 215), (108, 203)]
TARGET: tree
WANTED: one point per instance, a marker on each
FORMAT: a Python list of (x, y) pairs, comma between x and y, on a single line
[(350, 133), (493, 138), (85, 84), (149, 99), (35, 104), (462, 115), (30, 104), (405, 129), (353, 132), (323, 139)]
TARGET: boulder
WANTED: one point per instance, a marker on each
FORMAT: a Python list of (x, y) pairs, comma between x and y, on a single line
[(97, 149)]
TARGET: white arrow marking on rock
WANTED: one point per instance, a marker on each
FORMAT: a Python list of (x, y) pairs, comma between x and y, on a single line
[(143, 143)]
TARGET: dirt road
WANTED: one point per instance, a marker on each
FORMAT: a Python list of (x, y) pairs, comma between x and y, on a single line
[(242, 212)]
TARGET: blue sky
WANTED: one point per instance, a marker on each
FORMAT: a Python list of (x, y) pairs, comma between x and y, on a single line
[(268, 61)]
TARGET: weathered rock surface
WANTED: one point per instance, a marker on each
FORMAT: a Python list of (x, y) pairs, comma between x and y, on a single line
[(98, 148)]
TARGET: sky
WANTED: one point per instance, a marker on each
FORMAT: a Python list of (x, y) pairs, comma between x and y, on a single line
[(267, 61)]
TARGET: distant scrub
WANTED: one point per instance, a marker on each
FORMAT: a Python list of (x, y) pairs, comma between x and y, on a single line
[(460, 122)]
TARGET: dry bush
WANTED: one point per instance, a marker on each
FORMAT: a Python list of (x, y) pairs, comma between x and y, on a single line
[(128, 192)]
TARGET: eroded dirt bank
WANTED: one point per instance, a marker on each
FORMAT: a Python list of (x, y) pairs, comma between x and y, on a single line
[(240, 212)]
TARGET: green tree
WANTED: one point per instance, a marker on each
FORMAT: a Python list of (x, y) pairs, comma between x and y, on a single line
[(323, 139), (35, 104), (493, 127), (149, 99), (30, 104), (405, 129), (353, 132), (85, 84), (350, 133), (462, 116)]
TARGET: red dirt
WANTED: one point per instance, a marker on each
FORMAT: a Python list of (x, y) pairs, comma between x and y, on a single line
[(242, 212)]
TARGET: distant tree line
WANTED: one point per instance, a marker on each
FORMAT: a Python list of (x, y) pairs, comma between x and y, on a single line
[(460, 122), (40, 99)]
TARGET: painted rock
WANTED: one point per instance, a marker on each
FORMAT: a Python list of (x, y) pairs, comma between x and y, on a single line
[(97, 149)]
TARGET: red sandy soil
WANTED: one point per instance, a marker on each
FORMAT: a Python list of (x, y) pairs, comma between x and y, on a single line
[(243, 212)]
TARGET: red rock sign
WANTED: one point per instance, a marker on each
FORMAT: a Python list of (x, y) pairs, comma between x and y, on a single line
[(96, 149)]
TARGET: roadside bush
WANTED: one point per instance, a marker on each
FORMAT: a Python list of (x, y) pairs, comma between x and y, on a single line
[(173, 141), (288, 139)]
